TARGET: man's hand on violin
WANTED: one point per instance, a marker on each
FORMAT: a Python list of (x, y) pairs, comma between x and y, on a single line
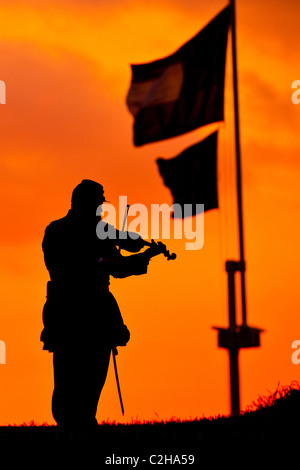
[(154, 249), (130, 241), (157, 248)]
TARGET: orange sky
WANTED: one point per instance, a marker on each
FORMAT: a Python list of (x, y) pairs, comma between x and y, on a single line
[(66, 69)]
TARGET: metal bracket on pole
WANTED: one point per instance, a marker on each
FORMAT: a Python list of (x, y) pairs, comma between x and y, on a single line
[(235, 337)]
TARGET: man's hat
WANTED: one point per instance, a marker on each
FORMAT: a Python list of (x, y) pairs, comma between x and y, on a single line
[(87, 192)]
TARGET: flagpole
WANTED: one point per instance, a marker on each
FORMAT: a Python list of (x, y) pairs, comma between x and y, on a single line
[(238, 163)]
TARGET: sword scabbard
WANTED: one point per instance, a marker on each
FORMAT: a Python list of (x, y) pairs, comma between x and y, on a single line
[(114, 354)]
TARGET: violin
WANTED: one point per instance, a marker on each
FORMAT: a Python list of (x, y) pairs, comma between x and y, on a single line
[(157, 247), (160, 248)]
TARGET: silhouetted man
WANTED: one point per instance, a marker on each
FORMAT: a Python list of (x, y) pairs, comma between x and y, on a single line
[(82, 320)]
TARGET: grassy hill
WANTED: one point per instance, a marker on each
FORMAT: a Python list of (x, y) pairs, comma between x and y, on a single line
[(270, 425)]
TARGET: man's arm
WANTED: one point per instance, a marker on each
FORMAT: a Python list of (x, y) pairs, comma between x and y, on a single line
[(124, 266)]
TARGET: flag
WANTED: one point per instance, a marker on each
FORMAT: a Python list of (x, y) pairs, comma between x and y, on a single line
[(192, 175), (183, 91)]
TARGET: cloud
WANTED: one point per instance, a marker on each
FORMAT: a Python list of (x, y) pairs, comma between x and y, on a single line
[(55, 124), (67, 74), (268, 115)]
